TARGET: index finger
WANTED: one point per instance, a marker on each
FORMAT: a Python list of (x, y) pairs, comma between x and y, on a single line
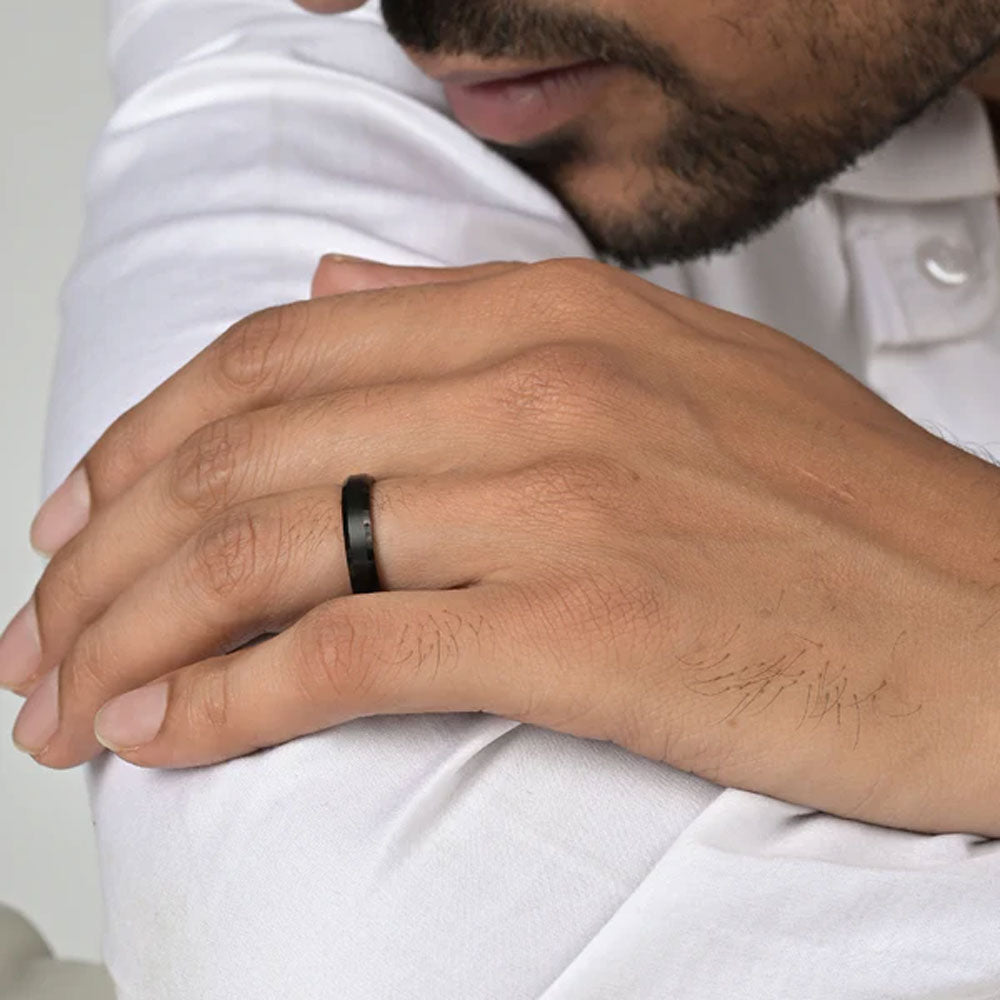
[(300, 349)]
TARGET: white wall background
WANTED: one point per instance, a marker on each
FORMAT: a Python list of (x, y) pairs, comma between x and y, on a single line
[(53, 97)]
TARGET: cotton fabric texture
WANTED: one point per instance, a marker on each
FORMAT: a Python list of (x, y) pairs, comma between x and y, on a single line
[(463, 856)]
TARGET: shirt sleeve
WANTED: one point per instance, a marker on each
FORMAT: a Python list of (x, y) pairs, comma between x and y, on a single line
[(439, 856), (249, 138), (445, 856)]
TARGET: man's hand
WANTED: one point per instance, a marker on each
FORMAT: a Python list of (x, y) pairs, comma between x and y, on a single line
[(600, 508)]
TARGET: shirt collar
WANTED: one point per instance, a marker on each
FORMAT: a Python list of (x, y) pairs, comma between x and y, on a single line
[(947, 154)]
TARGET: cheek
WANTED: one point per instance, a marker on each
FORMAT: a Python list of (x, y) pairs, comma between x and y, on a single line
[(632, 116)]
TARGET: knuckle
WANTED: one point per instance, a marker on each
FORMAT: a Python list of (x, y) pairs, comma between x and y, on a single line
[(89, 670), (338, 656), (63, 589), (572, 382), (569, 273), (252, 354), (119, 454), (567, 291), (210, 706), (205, 471), (232, 553)]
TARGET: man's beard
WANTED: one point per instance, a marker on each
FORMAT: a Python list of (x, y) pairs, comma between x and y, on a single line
[(739, 175), (718, 174)]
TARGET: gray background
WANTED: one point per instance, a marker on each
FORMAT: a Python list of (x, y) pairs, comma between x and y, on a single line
[(53, 98)]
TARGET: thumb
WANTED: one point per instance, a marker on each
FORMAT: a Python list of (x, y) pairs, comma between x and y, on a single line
[(341, 661), (338, 274)]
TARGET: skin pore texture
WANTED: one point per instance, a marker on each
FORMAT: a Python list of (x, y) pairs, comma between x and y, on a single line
[(720, 115)]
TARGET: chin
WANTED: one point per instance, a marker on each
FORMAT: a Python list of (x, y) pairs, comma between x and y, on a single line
[(637, 218)]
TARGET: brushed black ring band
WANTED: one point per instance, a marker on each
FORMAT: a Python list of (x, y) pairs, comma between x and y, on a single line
[(359, 539)]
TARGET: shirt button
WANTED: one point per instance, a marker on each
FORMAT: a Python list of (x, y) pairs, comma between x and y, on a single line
[(947, 264)]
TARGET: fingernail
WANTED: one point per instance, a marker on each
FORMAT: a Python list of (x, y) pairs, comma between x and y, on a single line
[(63, 515), (339, 258), (132, 720), (39, 716), (20, 648)]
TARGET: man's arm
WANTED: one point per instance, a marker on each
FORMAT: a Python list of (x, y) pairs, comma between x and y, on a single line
[(445, 856), (249, 139), (412, 857)]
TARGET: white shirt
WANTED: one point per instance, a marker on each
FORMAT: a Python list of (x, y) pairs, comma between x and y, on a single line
[(470, 857)]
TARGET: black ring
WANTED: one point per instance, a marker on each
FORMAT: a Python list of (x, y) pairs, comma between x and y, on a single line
[(359, 540)]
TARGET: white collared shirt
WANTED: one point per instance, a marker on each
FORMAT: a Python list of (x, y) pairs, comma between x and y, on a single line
[(469, 856)]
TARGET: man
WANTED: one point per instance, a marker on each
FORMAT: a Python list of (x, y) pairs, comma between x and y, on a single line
[(507, 411)]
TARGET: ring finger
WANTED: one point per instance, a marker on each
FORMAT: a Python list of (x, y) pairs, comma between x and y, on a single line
[(386, 431), (254, 570)]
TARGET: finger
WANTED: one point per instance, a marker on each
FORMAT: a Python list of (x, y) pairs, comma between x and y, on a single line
[(330, 6), (147, 432), (255, 570), (337, 274), (405, 429), (381, 335), (306, 348), (370, 654)]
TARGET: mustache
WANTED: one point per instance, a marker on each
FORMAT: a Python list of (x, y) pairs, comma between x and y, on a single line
[(522, 30)]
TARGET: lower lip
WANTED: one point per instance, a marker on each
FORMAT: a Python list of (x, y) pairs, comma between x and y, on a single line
[(517, 110)]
